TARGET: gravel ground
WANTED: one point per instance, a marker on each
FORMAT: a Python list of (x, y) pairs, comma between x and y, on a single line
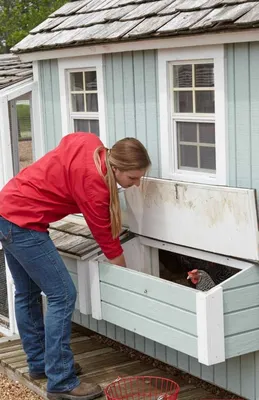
[(10, 390)]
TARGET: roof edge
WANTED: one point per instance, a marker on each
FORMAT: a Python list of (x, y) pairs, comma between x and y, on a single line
[(204, 39)]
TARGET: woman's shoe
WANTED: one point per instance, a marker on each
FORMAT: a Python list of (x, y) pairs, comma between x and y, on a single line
[(85, 391)]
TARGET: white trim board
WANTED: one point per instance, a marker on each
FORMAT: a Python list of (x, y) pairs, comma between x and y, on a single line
[(250, 35), (168, 139), (64, 65), (210, 326), (200, 254)]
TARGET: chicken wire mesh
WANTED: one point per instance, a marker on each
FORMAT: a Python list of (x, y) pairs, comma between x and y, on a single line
[(3, 287), (142, 388)]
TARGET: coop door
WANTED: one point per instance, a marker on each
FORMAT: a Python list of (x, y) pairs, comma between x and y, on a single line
[(21, 132), (215, 219)]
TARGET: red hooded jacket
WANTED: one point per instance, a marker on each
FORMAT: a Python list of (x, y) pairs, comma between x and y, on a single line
[(64, 181)]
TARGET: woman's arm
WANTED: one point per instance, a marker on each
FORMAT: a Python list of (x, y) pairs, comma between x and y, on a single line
[(120, 260)]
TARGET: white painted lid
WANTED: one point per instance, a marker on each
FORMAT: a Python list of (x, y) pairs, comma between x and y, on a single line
[(217, 219)]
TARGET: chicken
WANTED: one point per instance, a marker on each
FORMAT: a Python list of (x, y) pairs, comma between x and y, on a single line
[(218, 273), (201, 279)]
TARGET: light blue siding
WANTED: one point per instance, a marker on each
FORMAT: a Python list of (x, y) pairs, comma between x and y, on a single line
[(243, 115), (132, 100), (50, 103)]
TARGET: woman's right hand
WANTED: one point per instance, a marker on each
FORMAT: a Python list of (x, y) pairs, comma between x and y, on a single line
[(120, 260)]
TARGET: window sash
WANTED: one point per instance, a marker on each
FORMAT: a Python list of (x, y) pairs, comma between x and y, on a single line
[(189, 117), (82, 115)]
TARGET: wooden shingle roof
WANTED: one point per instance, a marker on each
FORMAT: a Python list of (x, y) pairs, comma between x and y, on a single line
[(12, 70), (100, 21)]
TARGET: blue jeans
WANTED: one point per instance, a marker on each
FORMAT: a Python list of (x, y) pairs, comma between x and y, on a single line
[(36, 266)]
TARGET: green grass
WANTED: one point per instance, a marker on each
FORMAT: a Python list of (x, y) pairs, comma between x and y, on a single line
[(24, 123)]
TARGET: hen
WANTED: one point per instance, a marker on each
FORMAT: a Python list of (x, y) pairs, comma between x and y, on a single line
[(201, 279)]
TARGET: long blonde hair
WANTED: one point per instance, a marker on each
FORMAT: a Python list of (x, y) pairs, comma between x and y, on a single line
[(126, 155)]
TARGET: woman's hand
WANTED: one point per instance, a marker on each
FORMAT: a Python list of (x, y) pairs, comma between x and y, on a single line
[(120, 260)]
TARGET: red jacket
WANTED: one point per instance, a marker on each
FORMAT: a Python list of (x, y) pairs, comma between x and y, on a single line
[(64, 181)]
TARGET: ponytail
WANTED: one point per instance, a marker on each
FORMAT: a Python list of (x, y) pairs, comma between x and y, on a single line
[(115, 210)]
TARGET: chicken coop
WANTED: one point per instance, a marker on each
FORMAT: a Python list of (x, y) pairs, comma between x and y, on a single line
[(212, 325)]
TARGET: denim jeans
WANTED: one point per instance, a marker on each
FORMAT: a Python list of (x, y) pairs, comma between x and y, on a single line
[(36, 266)]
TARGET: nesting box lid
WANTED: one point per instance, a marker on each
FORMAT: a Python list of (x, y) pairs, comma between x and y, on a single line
[(217, 219)]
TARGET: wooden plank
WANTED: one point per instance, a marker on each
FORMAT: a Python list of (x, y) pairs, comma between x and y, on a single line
[(116, 29), (149, 308), (146, 9), (233, 375), (210, 326), (231, 13), (248, 376), (244, 343), (183, 20), (149, 25), (150, 329), (241, 298), (48, 24), (202, 214), (251, 16), (94, 276), (152, 113), (171, 8), (249, 276), (129, 100), (242, 321), (208, 21), (140, 105), (119, 97), (118, 13), (70, 8), (152, 287), (187, 5)]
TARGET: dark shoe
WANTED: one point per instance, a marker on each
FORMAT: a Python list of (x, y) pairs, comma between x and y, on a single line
[(85, 391), (34, 375)]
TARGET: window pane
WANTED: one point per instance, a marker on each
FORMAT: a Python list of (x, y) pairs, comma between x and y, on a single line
[(86, 125), (187, 131), (76, 79), (182, 76), (208, 157), (90, 80), (204, 75), (204, 101), (92, 102), (81, 125), (78, 102), (183, 102), (188, 156), (94, 126), (207, 133)]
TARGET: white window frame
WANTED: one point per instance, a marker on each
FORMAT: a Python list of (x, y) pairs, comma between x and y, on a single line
[(169, 161), (78, 64)]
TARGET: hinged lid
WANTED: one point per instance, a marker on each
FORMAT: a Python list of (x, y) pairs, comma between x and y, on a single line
[(217, 219)]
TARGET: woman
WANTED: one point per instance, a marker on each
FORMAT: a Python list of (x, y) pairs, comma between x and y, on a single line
[(80, 175)]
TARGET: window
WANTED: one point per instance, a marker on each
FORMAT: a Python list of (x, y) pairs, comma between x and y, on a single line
[(192, 114), (84, 101), (82, 95)]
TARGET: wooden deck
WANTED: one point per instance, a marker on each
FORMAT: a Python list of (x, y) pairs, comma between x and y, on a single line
[(101, 364), (76, 241)]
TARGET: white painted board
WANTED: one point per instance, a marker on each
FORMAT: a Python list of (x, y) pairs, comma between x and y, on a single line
[(217, 219)]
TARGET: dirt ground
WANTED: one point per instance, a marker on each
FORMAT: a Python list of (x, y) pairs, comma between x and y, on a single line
[(25, 153)]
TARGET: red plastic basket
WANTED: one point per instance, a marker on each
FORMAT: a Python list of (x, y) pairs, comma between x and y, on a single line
[(142, 388)]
